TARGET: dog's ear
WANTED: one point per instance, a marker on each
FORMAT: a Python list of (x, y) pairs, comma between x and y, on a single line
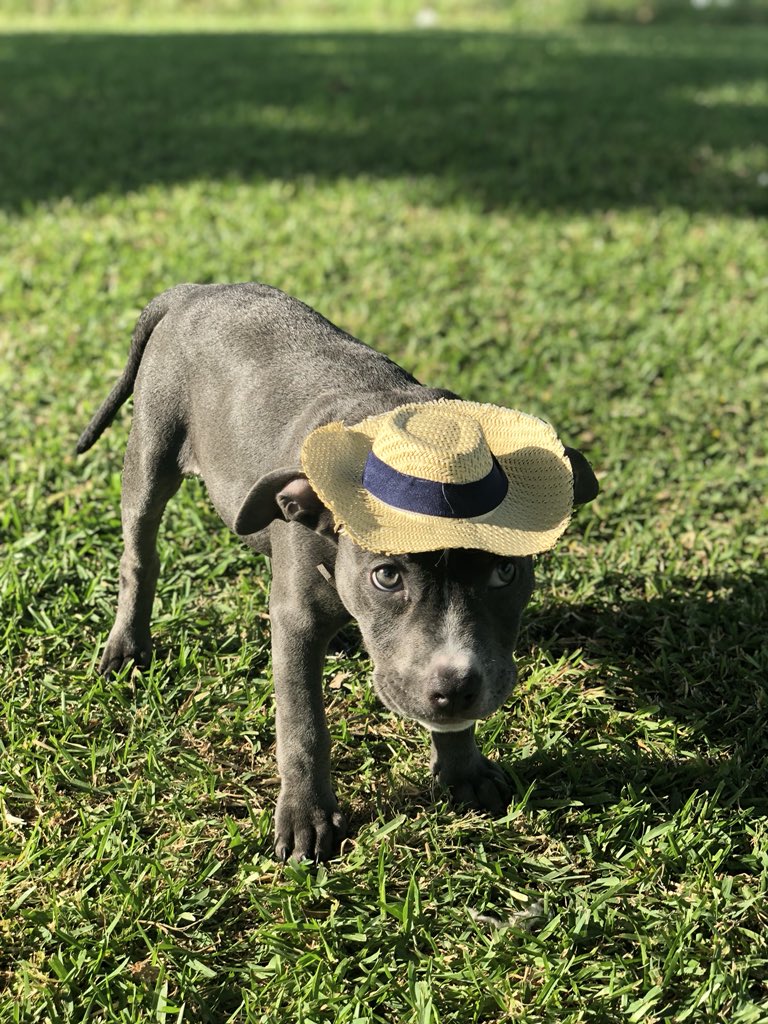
[(287, 493), (585, 485)]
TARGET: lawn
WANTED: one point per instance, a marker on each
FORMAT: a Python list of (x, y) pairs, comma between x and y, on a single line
[(569, 219)]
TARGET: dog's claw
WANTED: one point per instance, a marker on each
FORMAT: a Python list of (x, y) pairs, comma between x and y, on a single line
[(308, 830), (482, 786), (122, 649)]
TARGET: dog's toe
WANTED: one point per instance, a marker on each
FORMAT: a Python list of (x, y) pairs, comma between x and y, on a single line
[(122, 649), (483, 786), (305, 831)]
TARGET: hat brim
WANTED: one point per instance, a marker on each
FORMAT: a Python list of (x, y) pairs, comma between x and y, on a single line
[(530, 519)]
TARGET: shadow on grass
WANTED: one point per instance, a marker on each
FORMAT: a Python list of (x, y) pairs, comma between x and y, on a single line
[(697, 654), (605, 118), (646, 12)]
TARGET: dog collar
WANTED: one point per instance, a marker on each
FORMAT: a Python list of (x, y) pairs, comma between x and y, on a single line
[(326, 573)]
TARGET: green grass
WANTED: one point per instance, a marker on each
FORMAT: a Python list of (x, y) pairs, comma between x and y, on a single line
[(571, 223)]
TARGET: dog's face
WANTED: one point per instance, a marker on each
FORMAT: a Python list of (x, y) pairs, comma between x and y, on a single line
[(440, 628)]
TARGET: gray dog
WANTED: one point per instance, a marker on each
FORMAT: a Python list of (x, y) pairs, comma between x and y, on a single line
[(430, 552)]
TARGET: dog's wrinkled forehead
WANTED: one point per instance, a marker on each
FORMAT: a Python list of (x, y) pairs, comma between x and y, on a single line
[(461, 564), (458, 564)]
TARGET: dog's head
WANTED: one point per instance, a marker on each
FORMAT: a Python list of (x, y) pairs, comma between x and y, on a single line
[(440, 626)]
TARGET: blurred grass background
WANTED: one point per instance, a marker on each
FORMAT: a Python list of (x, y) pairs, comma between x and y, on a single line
[(525, 14)]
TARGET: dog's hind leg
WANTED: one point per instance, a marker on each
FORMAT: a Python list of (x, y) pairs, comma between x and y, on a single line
[(150, 478)]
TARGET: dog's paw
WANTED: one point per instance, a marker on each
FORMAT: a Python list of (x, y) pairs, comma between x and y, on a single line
[(124, 648), (308, 828), (482, 785)]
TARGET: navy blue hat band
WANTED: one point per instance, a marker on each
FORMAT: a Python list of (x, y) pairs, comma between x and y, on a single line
[(431, 497)]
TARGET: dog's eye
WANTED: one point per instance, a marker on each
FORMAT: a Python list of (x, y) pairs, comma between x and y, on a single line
[(387, 577), (503, 574)]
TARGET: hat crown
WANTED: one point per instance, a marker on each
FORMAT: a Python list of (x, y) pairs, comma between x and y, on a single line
[(434, 443)]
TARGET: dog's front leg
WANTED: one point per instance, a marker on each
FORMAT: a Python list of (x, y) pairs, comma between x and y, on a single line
[(468, 775), (305, 614)]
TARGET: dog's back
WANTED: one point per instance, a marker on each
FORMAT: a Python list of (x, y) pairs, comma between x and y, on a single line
[(228, 379)]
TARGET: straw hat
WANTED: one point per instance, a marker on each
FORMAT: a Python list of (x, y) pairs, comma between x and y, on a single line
[(443, 474)]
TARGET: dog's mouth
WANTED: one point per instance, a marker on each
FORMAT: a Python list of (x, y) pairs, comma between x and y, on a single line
[(456, 725), (413, 697), (389, 693)]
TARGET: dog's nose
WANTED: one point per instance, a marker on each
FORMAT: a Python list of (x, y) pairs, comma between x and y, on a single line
[(454, 690)]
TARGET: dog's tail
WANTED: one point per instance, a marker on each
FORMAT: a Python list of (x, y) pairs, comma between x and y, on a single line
[(150, 317)]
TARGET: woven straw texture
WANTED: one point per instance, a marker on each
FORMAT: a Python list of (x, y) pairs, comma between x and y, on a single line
[(450, 441), (434, 443)]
